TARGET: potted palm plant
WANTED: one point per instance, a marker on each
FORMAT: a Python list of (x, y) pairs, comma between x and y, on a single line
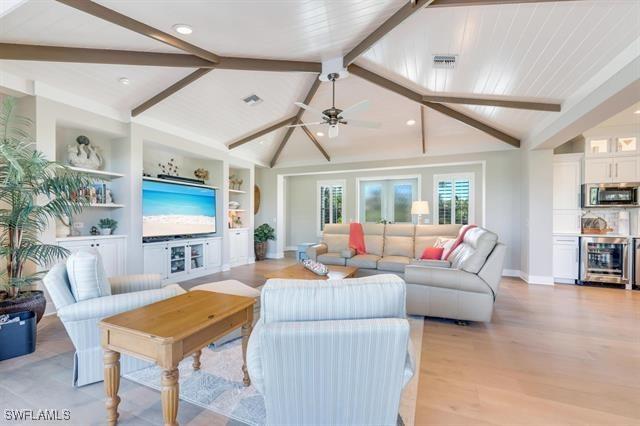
[(33, 193), (261, 235)]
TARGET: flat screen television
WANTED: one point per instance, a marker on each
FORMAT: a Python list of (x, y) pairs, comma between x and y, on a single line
[(173, 208)]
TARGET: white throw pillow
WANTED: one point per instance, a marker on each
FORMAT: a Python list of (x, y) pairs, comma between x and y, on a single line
[(87, 277)]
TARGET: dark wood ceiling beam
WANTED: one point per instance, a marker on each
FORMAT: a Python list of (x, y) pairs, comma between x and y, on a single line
[(417, 97), (423, 130), (396, 19), (315, 142), (297, 119), (27, 52), (505, 103), (124, 21), (169, 91), (262, 132)]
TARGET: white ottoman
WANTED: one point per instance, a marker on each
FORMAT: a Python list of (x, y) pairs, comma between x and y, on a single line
[(235, 288)]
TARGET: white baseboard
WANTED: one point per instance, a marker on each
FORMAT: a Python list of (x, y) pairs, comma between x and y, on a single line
[(291, 248), (226, 267), (537, 279), (511, 273), (275, 255)]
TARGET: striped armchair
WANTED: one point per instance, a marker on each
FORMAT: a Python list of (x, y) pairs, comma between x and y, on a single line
[(333, 352), (81, 318)]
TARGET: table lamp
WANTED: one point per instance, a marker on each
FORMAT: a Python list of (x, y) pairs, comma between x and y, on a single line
[(420, 208)]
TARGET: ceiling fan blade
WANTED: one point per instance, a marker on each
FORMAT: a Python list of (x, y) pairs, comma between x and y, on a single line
[(305, 124), (308, 108), (363, 123), (333, 131), (356, 108)]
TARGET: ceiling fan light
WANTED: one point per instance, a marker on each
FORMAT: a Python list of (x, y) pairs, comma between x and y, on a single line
[(333, 131), (183, 29)]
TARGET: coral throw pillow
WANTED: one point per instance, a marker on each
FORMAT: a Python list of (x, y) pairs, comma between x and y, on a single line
[(457, 241), (356, 238), (432, 253)]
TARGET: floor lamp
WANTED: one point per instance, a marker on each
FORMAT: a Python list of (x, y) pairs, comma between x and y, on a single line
[(420, 208)]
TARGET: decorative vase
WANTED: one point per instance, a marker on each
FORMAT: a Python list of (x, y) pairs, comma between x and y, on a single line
[(32, 301), (105, 231), (261, 250)]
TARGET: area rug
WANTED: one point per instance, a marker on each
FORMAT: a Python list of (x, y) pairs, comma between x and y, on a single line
[(218, 387)]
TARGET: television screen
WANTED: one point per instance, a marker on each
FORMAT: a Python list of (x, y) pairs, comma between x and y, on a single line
[(171, 208)]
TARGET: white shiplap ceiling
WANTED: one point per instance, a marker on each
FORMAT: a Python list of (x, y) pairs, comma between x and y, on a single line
[(543, 50)]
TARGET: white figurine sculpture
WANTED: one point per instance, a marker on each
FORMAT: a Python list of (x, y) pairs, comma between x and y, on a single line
[(84, 155)]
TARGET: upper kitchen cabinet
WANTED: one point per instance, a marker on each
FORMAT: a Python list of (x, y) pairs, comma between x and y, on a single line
[(598, 147), (626, 145), (612, 160), (614, 146)]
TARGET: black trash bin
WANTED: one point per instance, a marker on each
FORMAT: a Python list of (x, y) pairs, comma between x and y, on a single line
[(19, 337)]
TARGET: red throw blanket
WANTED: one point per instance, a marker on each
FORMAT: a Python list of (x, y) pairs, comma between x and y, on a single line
[(356, 238), (458, 241)]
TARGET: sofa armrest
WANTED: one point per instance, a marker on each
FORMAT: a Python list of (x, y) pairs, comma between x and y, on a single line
[(314, 251), (432, 263), (102, 307), (254, 358), (347, 253), (131, 283)]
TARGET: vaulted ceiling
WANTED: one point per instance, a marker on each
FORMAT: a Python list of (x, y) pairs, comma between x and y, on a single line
[(543, 51)]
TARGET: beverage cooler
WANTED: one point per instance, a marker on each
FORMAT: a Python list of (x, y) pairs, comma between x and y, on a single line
[(605, 260)]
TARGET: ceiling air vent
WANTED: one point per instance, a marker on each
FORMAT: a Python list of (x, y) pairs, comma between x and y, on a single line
[(444, 61), (252, 100)]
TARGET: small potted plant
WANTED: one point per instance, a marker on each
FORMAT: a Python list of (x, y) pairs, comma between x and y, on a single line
[(107, 225), (261, 235)]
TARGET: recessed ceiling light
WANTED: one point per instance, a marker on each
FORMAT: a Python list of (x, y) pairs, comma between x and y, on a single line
[(411, 122), (636, 112), (183, 29), (124, 80), (320, 134)]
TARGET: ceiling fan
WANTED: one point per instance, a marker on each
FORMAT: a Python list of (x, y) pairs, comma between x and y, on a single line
[(334, 116)]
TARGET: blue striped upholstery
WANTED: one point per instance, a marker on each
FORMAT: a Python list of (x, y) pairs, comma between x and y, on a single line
[(331, 352)]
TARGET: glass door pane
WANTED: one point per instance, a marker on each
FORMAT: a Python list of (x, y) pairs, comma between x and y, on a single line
[(178, 260), (402, 199), (372, 197), (197, 256)]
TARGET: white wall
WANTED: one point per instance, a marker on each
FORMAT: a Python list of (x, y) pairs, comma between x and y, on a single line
[(502, 192)]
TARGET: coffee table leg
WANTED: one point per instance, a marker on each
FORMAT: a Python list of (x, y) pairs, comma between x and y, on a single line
[(196, 360), (112, 384), (246, 332), (169, 396)]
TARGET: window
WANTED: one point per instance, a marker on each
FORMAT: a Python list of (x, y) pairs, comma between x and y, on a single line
[(330, 203), (453, 196), (387, 199)]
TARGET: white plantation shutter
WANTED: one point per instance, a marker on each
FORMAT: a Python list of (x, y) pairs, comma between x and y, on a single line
[(331, 203), (454, 199)]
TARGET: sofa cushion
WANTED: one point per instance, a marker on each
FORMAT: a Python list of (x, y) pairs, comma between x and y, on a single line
[(398, 240), (471, 255), (393, 263), (332, 259), (87, 278), (376, 296), (373, 238), (428, 236), (365, 261)]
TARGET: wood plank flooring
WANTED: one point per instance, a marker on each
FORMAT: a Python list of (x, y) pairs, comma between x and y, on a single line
[(553, 355)]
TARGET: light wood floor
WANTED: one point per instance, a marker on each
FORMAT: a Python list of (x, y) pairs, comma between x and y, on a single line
[(551, 356)]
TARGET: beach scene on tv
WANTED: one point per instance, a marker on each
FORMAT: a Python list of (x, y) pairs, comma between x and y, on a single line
[(176, 209)]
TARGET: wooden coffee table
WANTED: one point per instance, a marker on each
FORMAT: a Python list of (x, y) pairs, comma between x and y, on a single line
[(299, 272), (165, 333)]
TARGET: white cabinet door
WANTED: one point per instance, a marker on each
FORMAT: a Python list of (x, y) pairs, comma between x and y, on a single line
[(566, 221), (566, 185), (625, 169), (238, 247), (74, 246), (598, 170), (156, 260), (112, 254), (213, 253), (178, 258), (598, 146), (565, 258), (196, 256)]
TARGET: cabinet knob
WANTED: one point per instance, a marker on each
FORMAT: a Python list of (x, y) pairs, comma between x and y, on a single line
[(98, 245), (92, 245)]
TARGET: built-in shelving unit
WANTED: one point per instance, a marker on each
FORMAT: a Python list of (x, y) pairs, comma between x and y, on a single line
[(237, 191), (102, 174)]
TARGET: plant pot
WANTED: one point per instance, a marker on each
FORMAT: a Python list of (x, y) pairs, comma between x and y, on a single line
[(105, 231), (261, 250), (18, 338), (33, 301)]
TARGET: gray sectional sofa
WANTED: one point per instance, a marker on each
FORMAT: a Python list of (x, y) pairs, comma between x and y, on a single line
[(463, 287)]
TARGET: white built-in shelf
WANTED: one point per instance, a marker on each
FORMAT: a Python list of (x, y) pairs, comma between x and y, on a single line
[(178, 181), (98, 173), (237, 210), (237, 191), (106, 206), (89, 237)]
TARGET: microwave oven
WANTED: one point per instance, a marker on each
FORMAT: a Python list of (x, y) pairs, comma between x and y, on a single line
[(610, 195)]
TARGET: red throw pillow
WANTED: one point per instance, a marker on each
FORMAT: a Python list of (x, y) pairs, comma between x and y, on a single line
[(432, 253)]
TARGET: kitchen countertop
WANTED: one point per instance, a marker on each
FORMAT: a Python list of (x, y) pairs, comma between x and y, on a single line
[(578, 234)]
